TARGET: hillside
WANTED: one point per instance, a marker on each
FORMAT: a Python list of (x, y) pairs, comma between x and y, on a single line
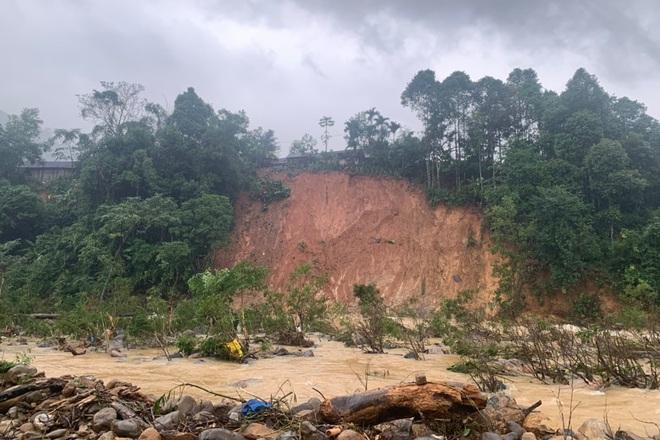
[(361, 229)]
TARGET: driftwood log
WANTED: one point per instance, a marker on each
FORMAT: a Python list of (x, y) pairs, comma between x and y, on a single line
[(13, 395), (429, 400)]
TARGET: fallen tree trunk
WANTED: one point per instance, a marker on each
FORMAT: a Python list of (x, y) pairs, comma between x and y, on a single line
[(431, 400), (13, 395)]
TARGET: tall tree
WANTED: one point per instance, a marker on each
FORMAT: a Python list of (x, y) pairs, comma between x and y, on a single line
[(111, 107), (19, 143), (326, 122), (304, 146)]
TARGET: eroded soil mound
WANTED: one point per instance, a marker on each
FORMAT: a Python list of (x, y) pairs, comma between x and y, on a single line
[(359, 229)]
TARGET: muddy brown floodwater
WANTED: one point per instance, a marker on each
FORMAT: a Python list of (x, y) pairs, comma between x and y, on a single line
[(334, 370)]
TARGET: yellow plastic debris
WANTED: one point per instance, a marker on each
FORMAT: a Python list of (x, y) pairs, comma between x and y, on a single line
[(235, 349)]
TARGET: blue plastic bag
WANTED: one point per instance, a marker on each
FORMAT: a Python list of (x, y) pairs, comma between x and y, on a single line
[(254, 406)]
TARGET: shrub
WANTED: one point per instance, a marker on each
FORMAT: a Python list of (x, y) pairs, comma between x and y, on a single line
[(186, 343), (6, 366), (586, 308), (371, 328), (269, 190), (485, 373), (630, 317), (215, 347)]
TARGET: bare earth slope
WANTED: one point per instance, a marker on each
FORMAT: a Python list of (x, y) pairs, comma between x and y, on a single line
[(361, 229)]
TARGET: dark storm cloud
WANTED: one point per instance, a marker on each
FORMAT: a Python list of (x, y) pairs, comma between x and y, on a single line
[(623, 37), (289, 62)]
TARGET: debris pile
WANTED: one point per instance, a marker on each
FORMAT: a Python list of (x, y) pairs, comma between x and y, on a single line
[(35, 407)]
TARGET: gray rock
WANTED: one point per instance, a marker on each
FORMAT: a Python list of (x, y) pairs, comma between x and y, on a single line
[(410, 355), (287, 435), (57, 433), (396, 429), (128, 428), (20, 372), (310, 432), (528, 436), (186, 405), (220, 434), (204, 416), (511, 436), (515, 428), (308, 353), (235, 413), (168, 421), (205, 405), (123, 411), (314, 404), (103, 419), (490, 436)]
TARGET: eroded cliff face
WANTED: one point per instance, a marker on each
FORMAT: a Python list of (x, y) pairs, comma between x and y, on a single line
[(359, 229)]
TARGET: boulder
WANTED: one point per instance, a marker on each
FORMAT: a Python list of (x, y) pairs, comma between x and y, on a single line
[(186, 405), (150, 434), (69, 389), (312, 404), (57, 433), (593, 429), (103, 419), (528, 436), (168, 421), (349, 434), (515, 431), (26, 427), (255, 431), (204, 417), (107, 436), (19, 373), (538, 424), (220, 434), (502, 409), (128, 428)]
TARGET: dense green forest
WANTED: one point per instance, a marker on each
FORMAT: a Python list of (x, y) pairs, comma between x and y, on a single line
[(570, 184), (152, 196)]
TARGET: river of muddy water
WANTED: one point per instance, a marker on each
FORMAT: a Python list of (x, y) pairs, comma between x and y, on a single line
[(334, 370)]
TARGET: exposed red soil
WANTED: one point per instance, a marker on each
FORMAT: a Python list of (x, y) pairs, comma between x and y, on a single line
[(359, 229)]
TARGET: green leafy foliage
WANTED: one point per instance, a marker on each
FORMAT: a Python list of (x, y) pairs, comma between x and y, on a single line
[(373, 326), (149, 201)]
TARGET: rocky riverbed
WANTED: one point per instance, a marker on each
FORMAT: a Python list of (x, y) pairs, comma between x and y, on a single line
[(333, 370)]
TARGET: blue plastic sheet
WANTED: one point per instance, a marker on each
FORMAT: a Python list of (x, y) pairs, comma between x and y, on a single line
[(254, 406)]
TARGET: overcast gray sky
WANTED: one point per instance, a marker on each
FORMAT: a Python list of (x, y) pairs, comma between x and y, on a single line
[(287, 63)]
